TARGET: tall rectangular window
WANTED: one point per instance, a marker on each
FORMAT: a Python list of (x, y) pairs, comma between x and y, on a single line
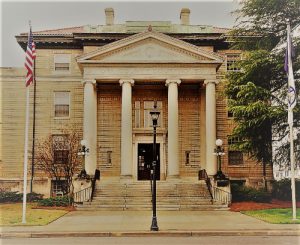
[(62, 104), (62, 62), (148, 107), (137, 114), (232, 62), (109, 162), (187, 157), (61, 149), (235, 157)]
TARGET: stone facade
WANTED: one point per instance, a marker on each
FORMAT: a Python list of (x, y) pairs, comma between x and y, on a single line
[(115, 72)]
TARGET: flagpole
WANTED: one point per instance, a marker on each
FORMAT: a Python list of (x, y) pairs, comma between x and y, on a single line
[(291, 104), (292, 156), (25, 157), (33, 129)]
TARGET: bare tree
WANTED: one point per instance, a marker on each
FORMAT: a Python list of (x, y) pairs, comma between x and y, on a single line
[(57, 156)]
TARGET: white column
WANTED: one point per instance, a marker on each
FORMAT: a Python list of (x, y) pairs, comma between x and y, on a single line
[(211, 128), (90, 124), (126, 128), (173, 141)]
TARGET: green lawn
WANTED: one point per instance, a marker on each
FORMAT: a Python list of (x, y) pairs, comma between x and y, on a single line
[(11, 215), (275, 216)]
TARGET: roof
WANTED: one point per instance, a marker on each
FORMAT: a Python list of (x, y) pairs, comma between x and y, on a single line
[(134, 27), (61, 31)]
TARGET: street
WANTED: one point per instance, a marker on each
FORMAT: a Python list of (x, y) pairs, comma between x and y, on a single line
[(209, 240)]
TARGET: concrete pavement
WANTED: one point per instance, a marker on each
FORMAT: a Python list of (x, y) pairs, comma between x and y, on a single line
[(137, 223)]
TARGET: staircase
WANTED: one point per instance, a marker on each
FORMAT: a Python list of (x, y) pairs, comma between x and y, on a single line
[(171, 195)]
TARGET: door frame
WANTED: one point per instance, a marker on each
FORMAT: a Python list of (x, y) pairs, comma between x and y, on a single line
[(145, 139)]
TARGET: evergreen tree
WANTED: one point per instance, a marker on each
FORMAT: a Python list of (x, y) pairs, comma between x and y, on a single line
[(257, 95)]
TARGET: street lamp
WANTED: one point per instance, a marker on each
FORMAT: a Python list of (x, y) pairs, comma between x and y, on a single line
[(219, 152), (154, 115), (84, 151)]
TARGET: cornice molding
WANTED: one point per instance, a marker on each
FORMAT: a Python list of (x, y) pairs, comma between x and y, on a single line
[(171, 42)]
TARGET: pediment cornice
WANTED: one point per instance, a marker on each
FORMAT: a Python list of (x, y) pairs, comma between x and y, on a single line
[(167, 44)]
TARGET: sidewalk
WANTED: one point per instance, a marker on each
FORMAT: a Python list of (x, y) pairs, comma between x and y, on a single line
[(137, 223)]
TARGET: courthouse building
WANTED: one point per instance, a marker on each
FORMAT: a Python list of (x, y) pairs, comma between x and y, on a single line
[(104, 79)]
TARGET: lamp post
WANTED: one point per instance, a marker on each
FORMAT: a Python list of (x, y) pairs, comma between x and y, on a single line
[(154, 115), (84, 151), (219, 152)]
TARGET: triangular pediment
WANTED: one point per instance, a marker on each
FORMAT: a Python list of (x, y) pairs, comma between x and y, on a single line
[(149, 47)]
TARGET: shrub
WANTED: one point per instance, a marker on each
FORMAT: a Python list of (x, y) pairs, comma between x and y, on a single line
[(33, 197), (10, 196), (14, 196), (245, 193), (282, 189), (55, 201)]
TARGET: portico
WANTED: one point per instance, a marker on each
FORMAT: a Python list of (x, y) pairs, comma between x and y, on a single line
[(143, 64)]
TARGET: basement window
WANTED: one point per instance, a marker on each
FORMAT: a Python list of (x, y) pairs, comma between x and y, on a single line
[(58, 188)]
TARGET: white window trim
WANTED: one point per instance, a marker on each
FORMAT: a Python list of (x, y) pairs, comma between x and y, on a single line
[(59, 118), (68, 60)]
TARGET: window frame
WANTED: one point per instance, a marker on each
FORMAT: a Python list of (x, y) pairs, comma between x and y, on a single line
[(137, 114), (54, 102), (232, 61), (147, 116), (62, 157), (54, 186), (62, 59), (233, 140), (235, 160)]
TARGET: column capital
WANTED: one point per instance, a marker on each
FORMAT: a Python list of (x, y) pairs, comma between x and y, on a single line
[(130, 81), (91, 81), (170, 81), (211, 81)]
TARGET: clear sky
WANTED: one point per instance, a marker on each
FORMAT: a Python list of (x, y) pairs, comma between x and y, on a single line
[(59, 14)]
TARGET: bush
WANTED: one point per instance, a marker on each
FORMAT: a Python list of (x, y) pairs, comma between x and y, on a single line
[(56, 202), (33, 197), (282, 190), (10, 196), (14, 196), (245, 193)]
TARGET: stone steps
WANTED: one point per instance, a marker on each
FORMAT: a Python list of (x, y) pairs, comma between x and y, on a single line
[(171, 195)]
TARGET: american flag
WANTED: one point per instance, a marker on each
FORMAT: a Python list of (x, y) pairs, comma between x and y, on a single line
[(29, 60)]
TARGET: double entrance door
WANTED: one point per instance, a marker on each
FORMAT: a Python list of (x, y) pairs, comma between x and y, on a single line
[(145, 159)]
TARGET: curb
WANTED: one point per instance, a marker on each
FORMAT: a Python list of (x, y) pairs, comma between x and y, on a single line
[(6, 235)]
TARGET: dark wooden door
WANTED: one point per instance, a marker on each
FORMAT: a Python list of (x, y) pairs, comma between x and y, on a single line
[(144, 161)]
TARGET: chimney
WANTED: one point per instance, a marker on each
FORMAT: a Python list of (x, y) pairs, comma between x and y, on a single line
[(109, 16), (185, 16)]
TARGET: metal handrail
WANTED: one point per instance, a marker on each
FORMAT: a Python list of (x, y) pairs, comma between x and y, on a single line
[(216, 193), (83, 195), (222, 196), (87, 193), (203, 175), (93, 186)]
